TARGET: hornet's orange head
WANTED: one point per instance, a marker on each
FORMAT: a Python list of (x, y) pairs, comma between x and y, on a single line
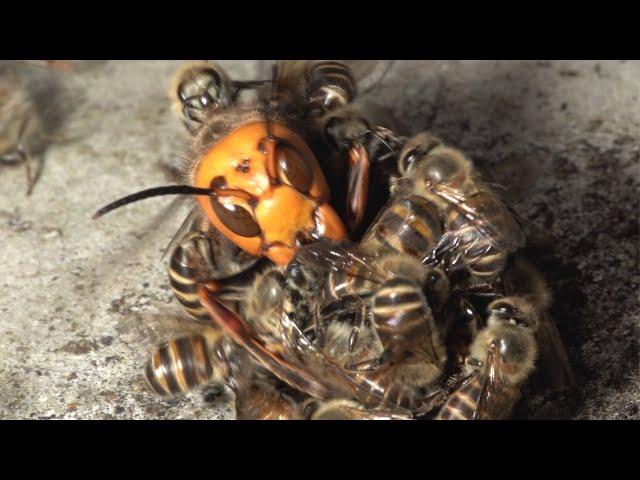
[(268, 193), (262, 187)]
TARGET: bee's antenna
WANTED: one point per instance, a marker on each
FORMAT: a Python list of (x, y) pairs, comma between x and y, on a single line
[(153, 192), (379, 137), (273, 96)]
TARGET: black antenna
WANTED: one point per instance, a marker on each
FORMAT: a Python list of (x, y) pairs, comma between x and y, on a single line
[(273, 97), (379, 137), (153, 192)]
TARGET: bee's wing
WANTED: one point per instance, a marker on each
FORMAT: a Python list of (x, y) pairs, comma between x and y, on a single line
[(348, 410), (339, 381), (496, 399), (554, 361), (540, 242), (487, 214), (338, 256), (369, 73)]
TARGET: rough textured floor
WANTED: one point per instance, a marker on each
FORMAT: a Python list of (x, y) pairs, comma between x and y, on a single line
[(83, 302)]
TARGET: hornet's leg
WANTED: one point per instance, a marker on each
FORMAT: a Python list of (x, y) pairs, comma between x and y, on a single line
[(365, 148)]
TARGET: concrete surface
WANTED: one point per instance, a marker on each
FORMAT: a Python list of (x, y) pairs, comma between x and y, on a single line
[(83, 302)]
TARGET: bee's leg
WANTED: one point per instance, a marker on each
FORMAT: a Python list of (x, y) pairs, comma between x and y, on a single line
[(200, 90), (183, 364), (27, 163), (21, 155), (26, 159), (360, 318)]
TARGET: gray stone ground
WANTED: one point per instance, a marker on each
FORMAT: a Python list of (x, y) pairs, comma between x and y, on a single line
[(83, 302)]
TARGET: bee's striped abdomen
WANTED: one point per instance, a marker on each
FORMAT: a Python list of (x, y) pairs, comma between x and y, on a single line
[(179, 366), (329, 85), (183, 281), (463, 403), (410, 225), (399, 307)]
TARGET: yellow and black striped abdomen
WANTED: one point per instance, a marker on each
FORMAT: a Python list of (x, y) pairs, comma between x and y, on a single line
[(182, 277), (400, 309), (463, 403), (329, 85), (180, 365), (409, 225)]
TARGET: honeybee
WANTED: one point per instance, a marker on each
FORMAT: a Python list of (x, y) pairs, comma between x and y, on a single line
[(184, 363), (521, 278), (21, 123), (188, 362), (17, 122), (501, 358), (519, 335), (443, 213)]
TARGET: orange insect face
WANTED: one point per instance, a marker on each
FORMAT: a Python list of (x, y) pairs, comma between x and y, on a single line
[(270, 193)]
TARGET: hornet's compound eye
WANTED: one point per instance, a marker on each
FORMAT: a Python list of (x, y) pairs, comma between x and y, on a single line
[(236, 218), (294, 170)]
